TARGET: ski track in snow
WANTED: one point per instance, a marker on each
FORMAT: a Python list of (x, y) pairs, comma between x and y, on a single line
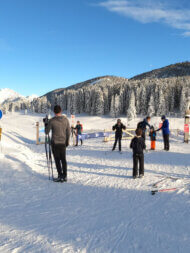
[(101, 208)]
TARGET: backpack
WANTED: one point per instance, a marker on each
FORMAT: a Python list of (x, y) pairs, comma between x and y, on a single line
[(81, 128), (140, 125)]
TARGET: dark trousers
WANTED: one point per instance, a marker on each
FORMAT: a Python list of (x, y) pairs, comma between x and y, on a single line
[(117, 138), (144, 135), (166, 141), (59, 153), (138, 158)]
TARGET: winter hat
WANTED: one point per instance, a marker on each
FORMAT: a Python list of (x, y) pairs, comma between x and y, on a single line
[(163, 117), (118, 120)]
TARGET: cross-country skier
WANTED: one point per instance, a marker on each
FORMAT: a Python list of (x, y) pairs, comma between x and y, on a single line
[(165, 132), (59, 125), (118, 128), (138, 144), (142, 125), (78, 132)]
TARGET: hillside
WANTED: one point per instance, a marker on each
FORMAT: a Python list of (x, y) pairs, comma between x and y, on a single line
[(161, 91), (174, 70), (90, 82)]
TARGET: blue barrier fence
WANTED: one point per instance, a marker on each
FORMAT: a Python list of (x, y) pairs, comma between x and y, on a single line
[(83, 136)]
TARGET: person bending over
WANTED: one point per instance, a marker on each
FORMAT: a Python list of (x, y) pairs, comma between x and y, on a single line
[(165, 132)]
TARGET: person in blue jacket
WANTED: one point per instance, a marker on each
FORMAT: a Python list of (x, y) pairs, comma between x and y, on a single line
[(165, 132)]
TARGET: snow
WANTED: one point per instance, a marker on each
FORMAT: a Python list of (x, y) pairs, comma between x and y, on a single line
[(31, 97), (101, 208), (98, 81), (6, 93)]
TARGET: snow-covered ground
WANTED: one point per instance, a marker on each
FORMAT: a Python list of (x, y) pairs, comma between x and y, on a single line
[(101, 208)]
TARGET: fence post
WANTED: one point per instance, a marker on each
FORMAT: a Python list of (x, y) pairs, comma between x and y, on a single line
[(37, 133), (186, 133), (104, 135)]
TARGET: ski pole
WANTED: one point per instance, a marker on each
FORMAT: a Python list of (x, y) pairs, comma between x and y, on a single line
[(45, 120), (47, 156), (163, 179), (163, 190), (50, 157)]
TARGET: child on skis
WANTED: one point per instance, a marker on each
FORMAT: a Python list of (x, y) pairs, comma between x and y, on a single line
[(152, 138), (138, 144)]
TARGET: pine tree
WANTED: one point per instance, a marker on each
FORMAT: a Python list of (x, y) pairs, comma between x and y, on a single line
[(99, 103), (161, 104), (131, 112), (117, 105), (183, 102), (143, 100), (151, 108), (112, 108)]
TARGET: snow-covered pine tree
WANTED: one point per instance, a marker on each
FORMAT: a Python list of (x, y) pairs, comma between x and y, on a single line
[(143, 101), (112, 107), (183, 101), (151, 108), (98, 103), (131, 112), (161, 103), (137, 95), (117, 108), (106, 101), (87, 100)]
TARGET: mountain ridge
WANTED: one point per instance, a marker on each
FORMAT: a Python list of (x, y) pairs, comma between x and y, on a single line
[(157, 92), (173, 70)]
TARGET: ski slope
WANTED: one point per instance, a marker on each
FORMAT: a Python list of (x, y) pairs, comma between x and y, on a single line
[(101, 208)]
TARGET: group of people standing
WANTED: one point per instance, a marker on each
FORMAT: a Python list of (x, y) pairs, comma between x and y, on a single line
[(138, 142), (60, 127)]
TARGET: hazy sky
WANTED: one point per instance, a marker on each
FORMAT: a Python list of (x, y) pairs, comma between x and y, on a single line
[(49, 44)]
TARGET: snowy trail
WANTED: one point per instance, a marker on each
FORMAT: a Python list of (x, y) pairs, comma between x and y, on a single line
[(101, 208)]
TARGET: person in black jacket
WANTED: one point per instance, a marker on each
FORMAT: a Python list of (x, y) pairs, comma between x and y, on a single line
[(142, 125), (118, 128), (138, 144)]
